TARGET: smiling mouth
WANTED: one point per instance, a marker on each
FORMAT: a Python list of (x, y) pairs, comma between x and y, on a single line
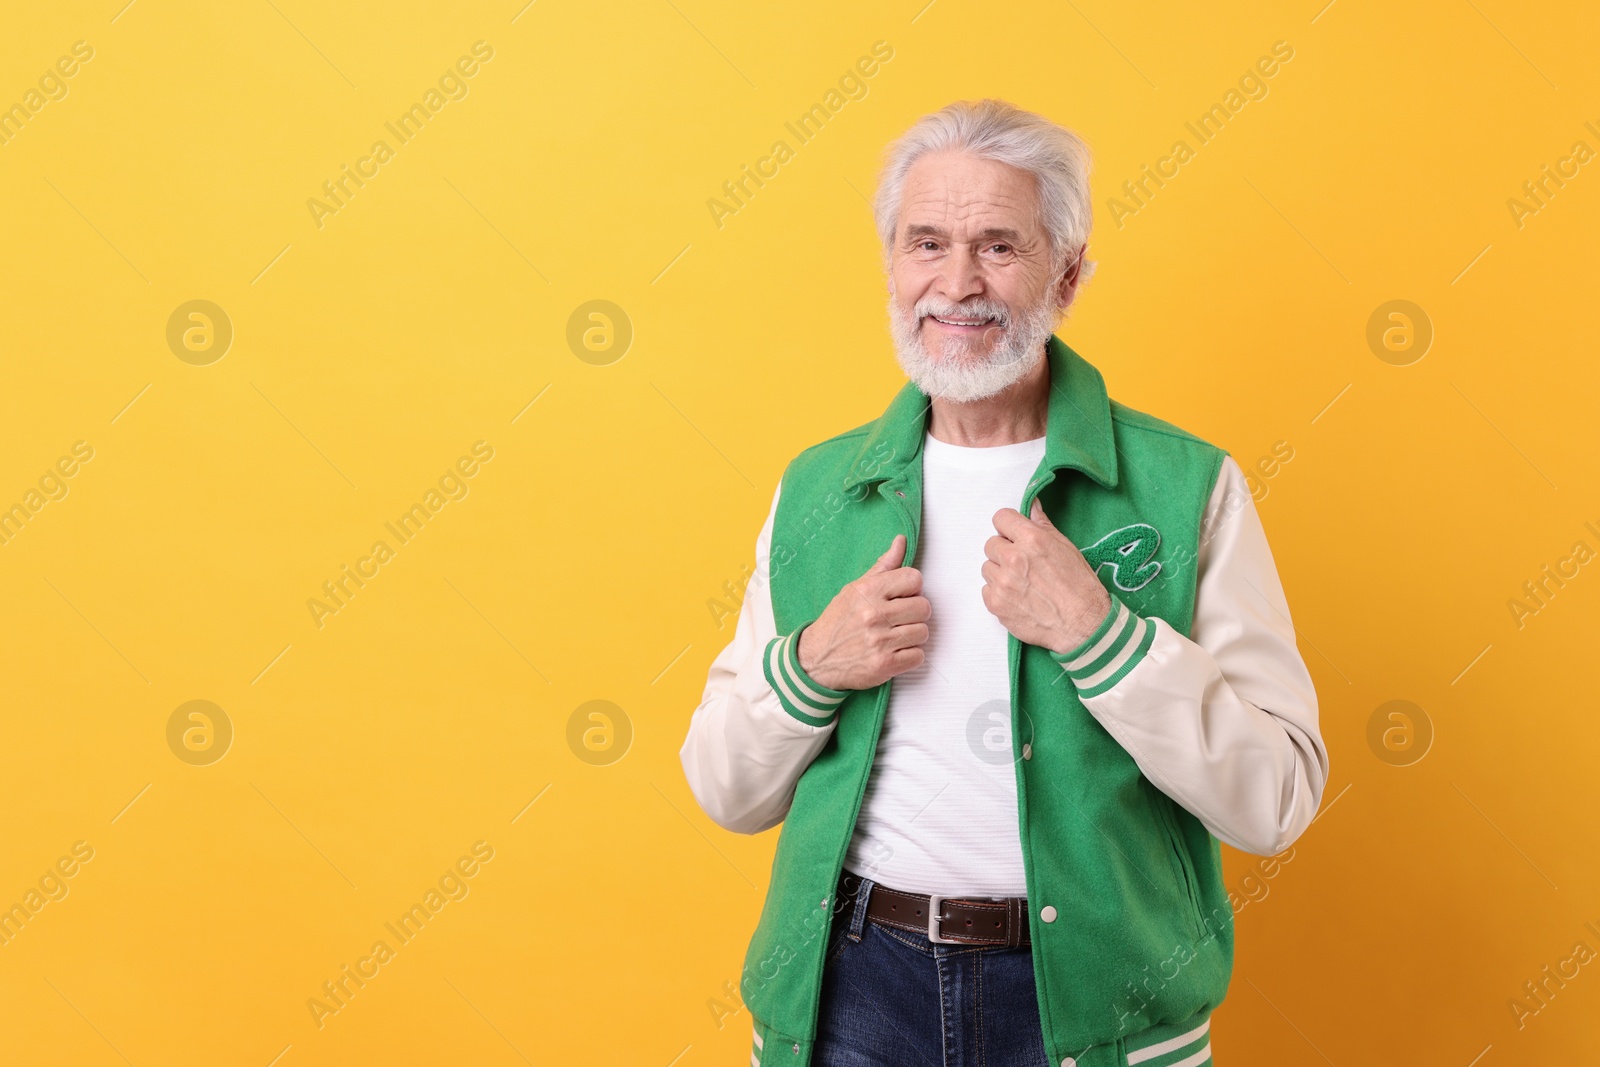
[(969, 324)]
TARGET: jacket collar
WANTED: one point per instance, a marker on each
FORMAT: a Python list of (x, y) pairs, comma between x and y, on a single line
[(1078, 430)]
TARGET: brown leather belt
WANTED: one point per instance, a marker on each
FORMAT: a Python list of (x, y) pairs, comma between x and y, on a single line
[(945, 920)]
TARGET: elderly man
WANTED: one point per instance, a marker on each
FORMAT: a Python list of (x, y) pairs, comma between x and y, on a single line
[(1003, 771)]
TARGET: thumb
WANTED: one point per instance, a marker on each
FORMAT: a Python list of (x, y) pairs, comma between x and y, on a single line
[(1038, 515), (890, 559)]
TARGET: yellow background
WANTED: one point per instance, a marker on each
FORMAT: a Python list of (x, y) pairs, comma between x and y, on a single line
[(426, 715)]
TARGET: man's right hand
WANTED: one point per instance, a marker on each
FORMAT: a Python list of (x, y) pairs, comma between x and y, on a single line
[(872, 630)]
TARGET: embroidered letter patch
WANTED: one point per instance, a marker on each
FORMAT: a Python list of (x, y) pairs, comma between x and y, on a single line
[(1130, 552)]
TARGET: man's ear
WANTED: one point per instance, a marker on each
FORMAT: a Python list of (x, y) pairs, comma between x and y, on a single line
[(1067, 288)]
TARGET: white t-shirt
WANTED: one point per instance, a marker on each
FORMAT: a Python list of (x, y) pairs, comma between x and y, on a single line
[(940, 811)]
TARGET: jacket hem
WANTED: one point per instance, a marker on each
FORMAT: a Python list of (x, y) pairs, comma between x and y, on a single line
[(768, 1046), (1181, 1044)]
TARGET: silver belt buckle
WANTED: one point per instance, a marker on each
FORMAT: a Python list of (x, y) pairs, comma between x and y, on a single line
[(935, 902)]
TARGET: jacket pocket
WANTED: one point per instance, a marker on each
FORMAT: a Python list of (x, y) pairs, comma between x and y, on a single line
[(1166, 812)]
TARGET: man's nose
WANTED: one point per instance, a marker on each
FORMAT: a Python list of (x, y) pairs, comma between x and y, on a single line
[(961, 275)]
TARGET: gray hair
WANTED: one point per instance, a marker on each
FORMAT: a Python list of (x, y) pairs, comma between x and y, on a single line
[(994, 129)]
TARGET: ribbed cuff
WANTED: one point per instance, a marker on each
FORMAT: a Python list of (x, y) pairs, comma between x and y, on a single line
[(1107, 655), (800, 696)]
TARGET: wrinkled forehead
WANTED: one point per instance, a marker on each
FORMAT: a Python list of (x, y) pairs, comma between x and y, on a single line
[(964, 198)]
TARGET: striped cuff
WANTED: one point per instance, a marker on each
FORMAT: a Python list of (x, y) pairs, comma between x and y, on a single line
[(801, 697), (1108, 654)]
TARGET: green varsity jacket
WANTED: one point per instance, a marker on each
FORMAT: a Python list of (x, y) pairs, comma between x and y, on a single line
[(1140, 947)]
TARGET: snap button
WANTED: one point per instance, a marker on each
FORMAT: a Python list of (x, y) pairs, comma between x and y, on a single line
[(1047, 913), (900, 492), (797, 1050), (1068, 1061), (1027, 751)]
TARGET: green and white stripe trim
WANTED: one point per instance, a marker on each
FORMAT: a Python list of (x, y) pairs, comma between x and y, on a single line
[(1150, 1048), (1191, 1048), (800, 696), (757, 1043), (1108, 654)]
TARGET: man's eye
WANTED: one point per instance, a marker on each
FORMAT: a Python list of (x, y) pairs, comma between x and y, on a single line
[(1003, 248), (929, 244)]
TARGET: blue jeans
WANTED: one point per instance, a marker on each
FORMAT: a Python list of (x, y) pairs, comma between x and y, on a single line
[(896, 999)]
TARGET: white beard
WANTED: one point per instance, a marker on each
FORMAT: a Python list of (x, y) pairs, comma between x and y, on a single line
[(959, 372)]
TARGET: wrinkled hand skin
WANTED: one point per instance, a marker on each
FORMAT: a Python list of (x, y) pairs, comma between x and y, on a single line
[(1038, 584), (872, 630)]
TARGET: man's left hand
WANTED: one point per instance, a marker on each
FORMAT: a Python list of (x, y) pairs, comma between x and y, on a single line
[(1038, 584)]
